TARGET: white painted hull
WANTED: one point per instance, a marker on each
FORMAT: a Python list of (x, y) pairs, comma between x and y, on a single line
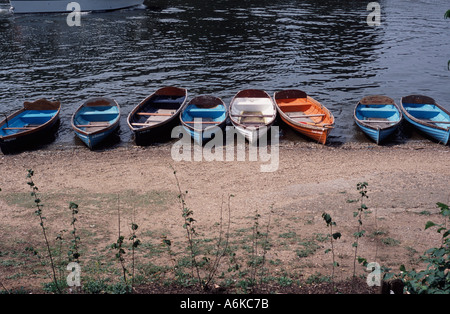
[(50, 6), (253, 134), (252, 103)]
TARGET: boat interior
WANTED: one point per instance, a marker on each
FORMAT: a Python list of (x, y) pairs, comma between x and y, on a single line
[(303, 110), (157, 109), (253, 111), (378, 115), (207, 116), (26, 120), (94, 118), (429, 113)]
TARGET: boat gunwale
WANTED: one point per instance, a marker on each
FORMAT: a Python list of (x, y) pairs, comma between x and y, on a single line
[(112, 103)]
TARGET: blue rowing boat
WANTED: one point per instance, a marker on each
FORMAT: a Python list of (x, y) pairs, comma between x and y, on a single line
[(30, 124), (204, 116), (427, 116), (378, 117), (95, 120)]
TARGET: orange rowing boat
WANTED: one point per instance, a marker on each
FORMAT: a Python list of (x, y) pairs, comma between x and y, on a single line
[(304, 114)]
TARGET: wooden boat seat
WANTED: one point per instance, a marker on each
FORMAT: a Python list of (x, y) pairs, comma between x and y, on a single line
[(380, 121), (293, 102), (98, 113), (201, 110), (154, 114), (374, 110), (20, 128), (37, 115), (93, 124), (252, 117), (250, 101), (419, 110), (436, 122), (298, 115), (203, 122), (167, 100)]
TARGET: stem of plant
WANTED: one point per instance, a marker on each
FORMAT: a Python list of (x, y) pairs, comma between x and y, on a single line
[(190, 231), (38, 212)]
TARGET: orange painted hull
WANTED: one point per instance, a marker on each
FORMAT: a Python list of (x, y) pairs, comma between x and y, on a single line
[(304, 114)]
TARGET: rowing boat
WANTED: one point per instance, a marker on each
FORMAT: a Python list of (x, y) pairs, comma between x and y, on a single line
[(252, 113), (30, 124), (427, 116), (204, 116), (378, 117), (54, 6), (153, 118), (95, 120), (304, 114)]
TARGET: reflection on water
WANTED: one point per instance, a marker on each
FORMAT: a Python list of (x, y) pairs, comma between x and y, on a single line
[(323, 47)]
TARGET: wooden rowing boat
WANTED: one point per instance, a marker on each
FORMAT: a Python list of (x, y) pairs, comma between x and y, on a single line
[(204, 116), (30, 124), (304, 114), (95, 120), (154, 117), (427, 116), (252, 113), (378, 117)]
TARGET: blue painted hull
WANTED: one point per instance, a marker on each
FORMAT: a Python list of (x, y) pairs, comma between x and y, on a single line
[(96, 120), (427, 116), (378, 117), (203, 117), (94, 140), (377, 135), (205, 136)]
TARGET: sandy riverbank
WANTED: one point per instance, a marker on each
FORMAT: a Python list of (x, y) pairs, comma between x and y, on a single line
[(405, 182)]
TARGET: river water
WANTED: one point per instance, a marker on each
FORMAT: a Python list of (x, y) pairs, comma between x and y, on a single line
[(324, 47)]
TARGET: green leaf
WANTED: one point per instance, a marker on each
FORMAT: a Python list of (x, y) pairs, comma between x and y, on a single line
[(362, 261), (337, 235), (429, 224), (72, 205), (327, 218)]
